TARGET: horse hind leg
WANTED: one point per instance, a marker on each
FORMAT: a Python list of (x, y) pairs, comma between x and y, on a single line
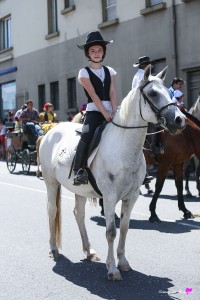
[(54, 214), (79, 213)]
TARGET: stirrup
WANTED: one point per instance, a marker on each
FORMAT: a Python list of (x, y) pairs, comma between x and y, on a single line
[(81, 177)]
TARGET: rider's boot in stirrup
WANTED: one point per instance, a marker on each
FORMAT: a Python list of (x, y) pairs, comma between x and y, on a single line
[(81, 175)]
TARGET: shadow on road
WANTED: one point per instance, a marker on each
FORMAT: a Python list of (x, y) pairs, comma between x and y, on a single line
[(164, 226), (92, 276), (170, 197)]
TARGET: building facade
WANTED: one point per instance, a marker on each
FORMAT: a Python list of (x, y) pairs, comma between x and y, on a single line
[(39, 58)]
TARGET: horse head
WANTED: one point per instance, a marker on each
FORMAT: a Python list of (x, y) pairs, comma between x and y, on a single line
[(156, 96)]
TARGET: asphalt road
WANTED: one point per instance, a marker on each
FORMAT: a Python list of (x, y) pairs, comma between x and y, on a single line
[(164, 257)]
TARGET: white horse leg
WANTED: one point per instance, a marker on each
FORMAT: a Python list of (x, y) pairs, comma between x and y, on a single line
[(127, 206), (79, 213), (54, 213), (109, 210)]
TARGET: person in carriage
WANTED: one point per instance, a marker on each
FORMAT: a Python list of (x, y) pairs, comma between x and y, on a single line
[(30, 123), (98, 82), (48, 115)]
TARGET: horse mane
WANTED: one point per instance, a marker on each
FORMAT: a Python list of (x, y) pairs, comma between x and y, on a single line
[(191, 117), (124, 111)]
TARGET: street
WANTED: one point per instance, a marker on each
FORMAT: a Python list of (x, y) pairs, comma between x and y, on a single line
[(164, 257)]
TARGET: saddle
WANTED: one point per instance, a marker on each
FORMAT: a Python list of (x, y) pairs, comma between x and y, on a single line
[(93, 145)]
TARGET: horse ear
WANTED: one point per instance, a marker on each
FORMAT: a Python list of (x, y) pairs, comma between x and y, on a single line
[(162, 74), (147, 72)]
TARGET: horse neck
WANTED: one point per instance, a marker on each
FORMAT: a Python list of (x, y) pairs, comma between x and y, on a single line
[(193, 135), (128, 115)]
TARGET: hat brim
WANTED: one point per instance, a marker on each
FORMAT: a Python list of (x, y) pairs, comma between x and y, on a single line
[(147, 62), (87, 45)]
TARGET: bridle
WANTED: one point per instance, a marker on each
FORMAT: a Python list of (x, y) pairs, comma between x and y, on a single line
[(153, 107)]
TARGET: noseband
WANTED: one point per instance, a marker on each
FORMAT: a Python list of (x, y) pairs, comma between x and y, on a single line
[(153, 107)]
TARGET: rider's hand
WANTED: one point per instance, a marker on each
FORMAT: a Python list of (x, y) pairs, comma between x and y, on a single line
[(108, 116)]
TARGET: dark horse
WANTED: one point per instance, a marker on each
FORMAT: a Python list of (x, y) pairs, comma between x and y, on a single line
[(178, 149), (193, 165)]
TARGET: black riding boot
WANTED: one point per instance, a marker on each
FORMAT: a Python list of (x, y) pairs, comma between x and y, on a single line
[(81, 175)]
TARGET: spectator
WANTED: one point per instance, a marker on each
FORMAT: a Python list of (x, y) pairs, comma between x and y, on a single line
[(179, 99), (18, 113), (11, 116), (176, 84), (2, 138), (30, 122), (48, 115), (142, 63)]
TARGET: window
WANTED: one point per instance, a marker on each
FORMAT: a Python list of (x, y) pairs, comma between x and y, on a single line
[(8, 98), (109, 10), (52, 16), (5, 33), (41, 96), (193, 83), (71, 93), (54, 94), (69, 3), (153, 2)]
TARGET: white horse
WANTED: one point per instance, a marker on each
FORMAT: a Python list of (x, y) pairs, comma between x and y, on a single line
[(119, 166)]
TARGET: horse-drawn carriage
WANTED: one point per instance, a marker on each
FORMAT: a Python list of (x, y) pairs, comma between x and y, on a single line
[(19, 149)]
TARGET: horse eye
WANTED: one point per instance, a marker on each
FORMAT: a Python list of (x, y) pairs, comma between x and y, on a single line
[(153, 94)]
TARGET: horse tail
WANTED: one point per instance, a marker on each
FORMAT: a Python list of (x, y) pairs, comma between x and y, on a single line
[(58, 218), (38, 142)]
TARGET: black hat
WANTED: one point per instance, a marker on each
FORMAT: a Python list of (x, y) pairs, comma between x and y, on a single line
[(142, 60), (94, 38)]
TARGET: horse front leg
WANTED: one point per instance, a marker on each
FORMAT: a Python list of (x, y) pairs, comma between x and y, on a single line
[(127, 206), (109, 210), (161, 176), (79, 213), (178, 173)]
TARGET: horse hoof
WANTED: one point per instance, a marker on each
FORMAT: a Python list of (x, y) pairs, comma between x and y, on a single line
[(124, 268), (188, 215), (114, 276), (93, 257), (54, 254), (154, 219)]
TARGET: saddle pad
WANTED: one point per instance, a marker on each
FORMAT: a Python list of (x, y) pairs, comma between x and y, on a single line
[(66, 156)]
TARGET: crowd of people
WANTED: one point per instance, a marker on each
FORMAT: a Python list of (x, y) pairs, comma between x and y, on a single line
[(29, 120)]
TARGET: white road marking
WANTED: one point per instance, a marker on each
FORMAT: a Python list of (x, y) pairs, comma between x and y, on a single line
[(69, 197)]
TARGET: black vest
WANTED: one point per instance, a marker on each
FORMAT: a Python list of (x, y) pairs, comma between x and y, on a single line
[(102, 89)]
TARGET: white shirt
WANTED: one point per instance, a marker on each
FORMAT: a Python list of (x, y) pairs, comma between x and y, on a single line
[(137, 78), (83, 73)]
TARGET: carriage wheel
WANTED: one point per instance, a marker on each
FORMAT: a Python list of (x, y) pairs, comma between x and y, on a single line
[(11, 158), (26, 161)]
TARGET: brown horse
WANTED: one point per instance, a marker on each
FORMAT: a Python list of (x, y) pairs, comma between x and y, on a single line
[(177, 150)]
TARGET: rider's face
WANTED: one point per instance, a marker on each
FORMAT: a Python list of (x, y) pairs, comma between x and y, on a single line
[(96, 53)]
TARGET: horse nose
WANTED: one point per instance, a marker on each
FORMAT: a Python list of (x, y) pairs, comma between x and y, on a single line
[(180, 122)]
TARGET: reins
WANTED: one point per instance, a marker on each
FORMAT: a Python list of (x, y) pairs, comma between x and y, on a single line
[(127, 127)]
